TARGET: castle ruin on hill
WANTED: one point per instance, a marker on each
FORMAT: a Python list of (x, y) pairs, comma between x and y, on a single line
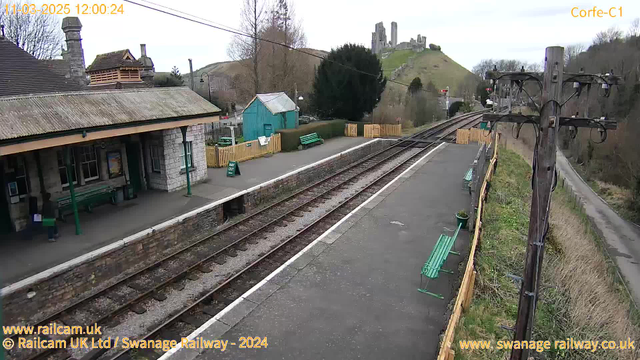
[(379, 40)]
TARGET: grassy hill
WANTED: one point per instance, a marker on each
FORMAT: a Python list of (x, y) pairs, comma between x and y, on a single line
[(232, 68), (429, 65)]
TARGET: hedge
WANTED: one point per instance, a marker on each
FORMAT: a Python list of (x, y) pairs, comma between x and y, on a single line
[(325, 129)]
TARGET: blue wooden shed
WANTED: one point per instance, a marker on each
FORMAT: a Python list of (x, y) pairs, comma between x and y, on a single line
[(267, 113)]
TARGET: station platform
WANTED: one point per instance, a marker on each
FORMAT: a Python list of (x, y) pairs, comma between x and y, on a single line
[(27, 253), (352, 293)]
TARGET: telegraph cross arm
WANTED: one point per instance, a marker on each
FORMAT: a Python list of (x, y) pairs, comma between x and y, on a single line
[(564, 121), (579, 77)]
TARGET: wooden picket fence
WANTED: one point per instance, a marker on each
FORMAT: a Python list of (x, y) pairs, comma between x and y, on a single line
[(382, 130), (465, 293), (220, 156), (351, 130), (465, 136)]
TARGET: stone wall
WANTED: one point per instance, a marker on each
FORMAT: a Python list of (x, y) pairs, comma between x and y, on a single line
[(306, 177), (19, 212), (58, 287), (155, 179), (98, 272), (173, 148)]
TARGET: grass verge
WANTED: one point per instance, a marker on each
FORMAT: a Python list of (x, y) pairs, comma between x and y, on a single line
[(580, 297), (618, 198)]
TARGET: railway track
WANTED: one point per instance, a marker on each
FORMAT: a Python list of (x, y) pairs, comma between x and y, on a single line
[(133, 294)]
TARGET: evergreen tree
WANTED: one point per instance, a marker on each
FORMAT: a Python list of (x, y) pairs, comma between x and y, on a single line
[(173, 79), (342, 92), (177, 78), (415, 86)]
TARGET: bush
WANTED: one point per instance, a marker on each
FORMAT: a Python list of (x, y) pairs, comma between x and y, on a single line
[(435, 47), (324, 129)]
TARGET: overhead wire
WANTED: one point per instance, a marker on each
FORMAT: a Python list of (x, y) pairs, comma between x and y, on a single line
[(202, 21)]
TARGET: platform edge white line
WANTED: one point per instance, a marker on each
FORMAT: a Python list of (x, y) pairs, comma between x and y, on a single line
[(242, 297)]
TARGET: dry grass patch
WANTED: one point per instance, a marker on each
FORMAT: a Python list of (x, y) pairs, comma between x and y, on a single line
[(580, 296)]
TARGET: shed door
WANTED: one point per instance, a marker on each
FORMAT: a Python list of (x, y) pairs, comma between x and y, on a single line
[(268, 130)]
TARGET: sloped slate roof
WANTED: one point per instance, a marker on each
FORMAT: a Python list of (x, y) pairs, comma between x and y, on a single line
[(58, 66), (21, 73), (276, 102), (24, 116), (113, 60)]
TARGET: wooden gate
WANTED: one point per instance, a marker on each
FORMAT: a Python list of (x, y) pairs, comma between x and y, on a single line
[(372, 131), (350, 130)]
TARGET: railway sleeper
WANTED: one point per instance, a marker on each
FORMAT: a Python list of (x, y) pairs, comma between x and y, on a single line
[(191, 320), (220, 260), (193, 276), (138, 309), (232, 253), (158, 296)]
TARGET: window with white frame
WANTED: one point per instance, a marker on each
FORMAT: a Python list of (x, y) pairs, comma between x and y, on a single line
[(22, 183), (189, 155), (62, 169), (156, 157), (89, 163)]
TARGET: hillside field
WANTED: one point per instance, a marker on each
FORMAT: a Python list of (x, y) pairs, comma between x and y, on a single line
[(429, 65)]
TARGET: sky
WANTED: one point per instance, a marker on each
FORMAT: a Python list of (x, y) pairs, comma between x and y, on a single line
[(467, 31)]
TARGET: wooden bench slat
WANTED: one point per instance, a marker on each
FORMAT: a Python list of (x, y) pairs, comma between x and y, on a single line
[(433, 266), (85, 198)]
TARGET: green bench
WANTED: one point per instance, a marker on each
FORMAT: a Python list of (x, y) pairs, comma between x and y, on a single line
[(433, 266), (466, 181), (87, 199), (225, 141), (310, 139)]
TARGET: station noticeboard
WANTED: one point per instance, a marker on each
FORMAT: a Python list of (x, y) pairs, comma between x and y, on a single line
[(233, 169)]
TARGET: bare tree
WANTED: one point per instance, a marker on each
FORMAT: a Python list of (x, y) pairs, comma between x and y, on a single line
[(244, 48), (467, 87), (38, 34), (284, 65), (482, 67), (610, 35), (571, 53), (634, 29), (534, 67)]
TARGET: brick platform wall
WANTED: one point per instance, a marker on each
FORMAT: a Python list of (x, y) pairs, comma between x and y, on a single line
[(308, 176), (89, 277), (59, 290)]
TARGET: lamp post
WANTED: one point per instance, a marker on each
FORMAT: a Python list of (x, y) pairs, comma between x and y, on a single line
[(208, 83)]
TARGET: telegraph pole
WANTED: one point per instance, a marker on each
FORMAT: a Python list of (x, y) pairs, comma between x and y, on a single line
[(546, 127), (543, 179)]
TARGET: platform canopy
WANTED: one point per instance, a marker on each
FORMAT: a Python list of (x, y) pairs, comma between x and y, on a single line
[(32, 122)]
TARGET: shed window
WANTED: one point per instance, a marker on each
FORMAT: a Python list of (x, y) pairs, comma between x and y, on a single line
[(189, 155), (62, 169), (89, 163), (156, 157)]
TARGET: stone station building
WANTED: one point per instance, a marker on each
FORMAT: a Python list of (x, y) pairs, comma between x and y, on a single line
[(118, 141)]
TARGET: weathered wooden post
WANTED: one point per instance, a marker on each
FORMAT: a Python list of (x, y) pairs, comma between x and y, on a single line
[(543, 177)]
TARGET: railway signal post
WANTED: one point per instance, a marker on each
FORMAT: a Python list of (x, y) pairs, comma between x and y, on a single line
[(546, 126)]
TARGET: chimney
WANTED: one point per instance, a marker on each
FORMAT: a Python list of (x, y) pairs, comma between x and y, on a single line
[(74, 55), (148, 70)]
